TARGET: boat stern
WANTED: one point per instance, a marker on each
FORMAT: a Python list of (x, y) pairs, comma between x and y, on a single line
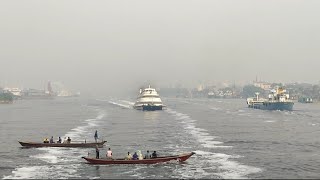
[(151, 108)]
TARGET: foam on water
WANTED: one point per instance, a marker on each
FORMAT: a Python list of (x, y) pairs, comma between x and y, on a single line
[(200, 134), (78, 132), (215, 108), (223, 165), (128, 102), (104, 100), (47, 157), (45, 172), (121, 105), (219, 165), (186, 102), (94, 178), (313, 124), (270, 121), (59, 162)]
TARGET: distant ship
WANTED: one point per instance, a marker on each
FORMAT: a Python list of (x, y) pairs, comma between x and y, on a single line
[(38, 93), (278, 100), (305, 100), (211, 94), (16, 92), (148, 100), (6, 97), (65, 93)]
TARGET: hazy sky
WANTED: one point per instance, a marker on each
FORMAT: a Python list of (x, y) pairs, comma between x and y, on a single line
[(105, 45)]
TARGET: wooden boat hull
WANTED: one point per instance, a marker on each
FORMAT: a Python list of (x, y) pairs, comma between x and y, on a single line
[(177, 158), (71, 145)]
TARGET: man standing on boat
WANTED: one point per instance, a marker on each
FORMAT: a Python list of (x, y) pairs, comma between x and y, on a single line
[(51, 139), (97, 152), (96, 136)]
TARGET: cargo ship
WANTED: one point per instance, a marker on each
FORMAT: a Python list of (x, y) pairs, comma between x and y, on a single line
[(278, 99), (39, 93)]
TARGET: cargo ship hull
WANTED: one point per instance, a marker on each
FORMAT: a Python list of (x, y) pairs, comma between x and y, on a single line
[(282, 106)]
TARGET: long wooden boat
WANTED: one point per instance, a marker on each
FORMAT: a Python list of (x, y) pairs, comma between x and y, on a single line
[(177, 158), (71, 145)]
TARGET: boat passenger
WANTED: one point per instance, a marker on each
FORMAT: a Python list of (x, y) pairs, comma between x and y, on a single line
[(129, 156), (45, 140), (109, 154), (147, 155), (59, 140), (135, 156), (140, 156), (154, 154), (97, 152), (65, 140), (51, 139), (69, 140)]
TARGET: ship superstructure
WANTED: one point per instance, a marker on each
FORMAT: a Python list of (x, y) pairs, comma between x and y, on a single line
[(17, 92)]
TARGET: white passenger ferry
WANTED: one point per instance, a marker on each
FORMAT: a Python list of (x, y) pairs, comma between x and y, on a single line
[(148, 100)]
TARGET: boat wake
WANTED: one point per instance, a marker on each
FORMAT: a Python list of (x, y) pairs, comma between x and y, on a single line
[(128, 102), (201, 135), (223, 165), (215, 108), (218, 165), (127, 106), (60, 162)]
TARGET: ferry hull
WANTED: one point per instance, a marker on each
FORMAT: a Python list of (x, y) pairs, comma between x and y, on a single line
[(148, 108), (282, 106), (152, 108)]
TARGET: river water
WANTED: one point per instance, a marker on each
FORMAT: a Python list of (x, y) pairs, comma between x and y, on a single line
[(229, 139)]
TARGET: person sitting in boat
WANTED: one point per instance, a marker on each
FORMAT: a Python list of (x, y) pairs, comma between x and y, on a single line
[(59, 140), (140, 156), (135, 156), (51, 139), (129, 156), (65, 140), (109, 154), (45, 140), (154, 154), (147, 155), (69, 140)]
